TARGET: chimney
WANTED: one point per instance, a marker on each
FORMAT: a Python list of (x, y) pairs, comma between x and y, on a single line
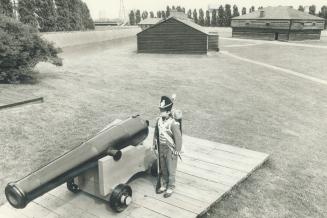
[(262, 13)]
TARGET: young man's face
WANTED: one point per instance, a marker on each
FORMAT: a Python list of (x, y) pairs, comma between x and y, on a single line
[(164, 113)]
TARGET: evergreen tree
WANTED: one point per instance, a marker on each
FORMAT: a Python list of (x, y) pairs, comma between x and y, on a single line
[(301, 8), (243, 10), (151, 14), (163, 15), (26, 10), (179, 9), (6, 8), (167, 11), (207, 20), (46, 15), (221, 13), (86, 17), (214, 18), (201, 17), (183, 10), (312, 9), (323, 14), (132, 18), (235, 11), (228, 15), (173, 8), (145, 15), (260, 7), (189, 14), (252, 9), (63, 15), (195, 16), (137, 16), (75, 15), (158, 14)]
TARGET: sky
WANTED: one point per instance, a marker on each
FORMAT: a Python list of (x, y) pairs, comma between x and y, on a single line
[(110, 8)]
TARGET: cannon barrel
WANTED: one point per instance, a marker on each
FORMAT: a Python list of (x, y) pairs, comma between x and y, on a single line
[(83, 157)]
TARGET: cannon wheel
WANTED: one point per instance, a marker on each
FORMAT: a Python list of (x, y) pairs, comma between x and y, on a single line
[(120, 197), (72, 186), (154, 169)]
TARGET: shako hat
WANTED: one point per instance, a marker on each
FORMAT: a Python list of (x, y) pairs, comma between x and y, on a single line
[(166, 103)]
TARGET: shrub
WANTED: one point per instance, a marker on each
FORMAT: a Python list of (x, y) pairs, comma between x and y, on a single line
[(21, 48), (6, 8)]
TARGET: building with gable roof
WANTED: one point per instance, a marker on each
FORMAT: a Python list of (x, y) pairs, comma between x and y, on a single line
[(176, 34), (278, 23)]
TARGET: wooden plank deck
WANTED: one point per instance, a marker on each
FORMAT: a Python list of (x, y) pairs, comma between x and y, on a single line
[(209, 170)]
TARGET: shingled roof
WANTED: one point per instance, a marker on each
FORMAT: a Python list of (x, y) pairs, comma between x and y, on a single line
[(185, 21), (280, 13)]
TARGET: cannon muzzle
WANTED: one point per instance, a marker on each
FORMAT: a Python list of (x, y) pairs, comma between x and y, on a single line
[(110, 141)]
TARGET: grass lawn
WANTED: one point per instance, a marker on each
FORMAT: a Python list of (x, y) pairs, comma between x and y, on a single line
[(223, 100), (309, 61)]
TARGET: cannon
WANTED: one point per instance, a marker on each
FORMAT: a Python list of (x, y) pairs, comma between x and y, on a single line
[(97, 163)]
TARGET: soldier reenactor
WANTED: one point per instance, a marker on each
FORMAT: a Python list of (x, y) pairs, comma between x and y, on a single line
[(168, 145)]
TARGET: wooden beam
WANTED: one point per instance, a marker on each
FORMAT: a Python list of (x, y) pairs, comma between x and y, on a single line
[(34, 100)]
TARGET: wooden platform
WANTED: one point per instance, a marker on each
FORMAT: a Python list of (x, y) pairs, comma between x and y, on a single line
[(209, 171)]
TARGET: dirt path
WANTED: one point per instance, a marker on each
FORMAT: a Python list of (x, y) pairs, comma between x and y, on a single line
[(291, 72)]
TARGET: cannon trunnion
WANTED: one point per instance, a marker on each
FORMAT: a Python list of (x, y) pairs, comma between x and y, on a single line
[(89, 163)]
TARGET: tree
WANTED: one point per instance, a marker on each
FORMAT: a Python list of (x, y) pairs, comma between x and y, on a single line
[(235, 11), (252, 9), (46, 15), (260, 7), (167, 11), (63, 15), (145, 15), (228, 15), (214, 18), (189, 14), (26, 10), (151, 14), (132, 18), (137, 16), (158, 14), (75, 15), (243, 10), (6, 8), (21, 49), (163, 14), (173, 8), (323, 14), (207, 20), (179, 9), (201, 17), (312, 9), (86, 17), (195, 16), (221, 13), (301, 8)]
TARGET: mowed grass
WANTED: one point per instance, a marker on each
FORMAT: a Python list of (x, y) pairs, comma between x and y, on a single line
[(306, 60), (223, 100)]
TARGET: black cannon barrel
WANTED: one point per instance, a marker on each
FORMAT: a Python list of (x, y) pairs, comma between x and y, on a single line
[(83, 157)]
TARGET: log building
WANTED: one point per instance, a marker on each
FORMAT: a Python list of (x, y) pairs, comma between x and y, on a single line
[(176, 34), (278, 23)]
